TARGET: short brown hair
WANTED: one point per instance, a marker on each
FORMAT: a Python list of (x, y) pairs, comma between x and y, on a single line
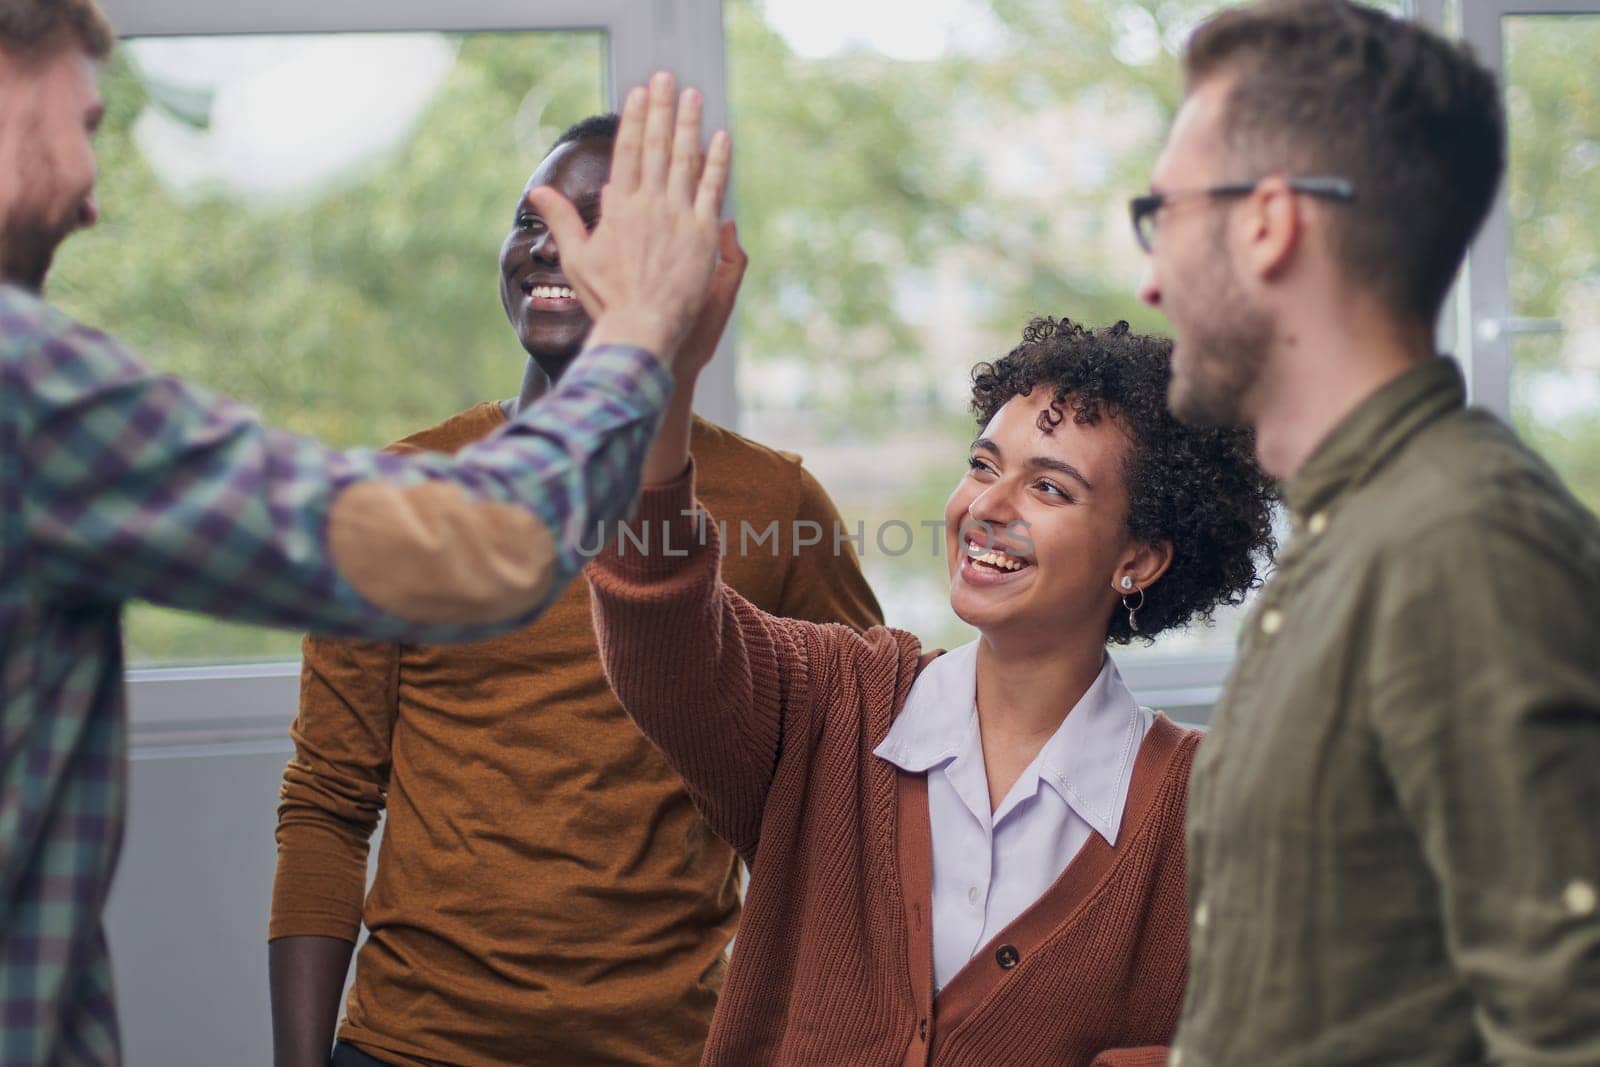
[(28, 26), (1413, 120)]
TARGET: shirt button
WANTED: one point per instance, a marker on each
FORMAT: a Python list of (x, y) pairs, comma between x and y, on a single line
[(1202, 915), (1271, 621), (1318, 524), (1007, 957), (972, 895), (1580, 898)]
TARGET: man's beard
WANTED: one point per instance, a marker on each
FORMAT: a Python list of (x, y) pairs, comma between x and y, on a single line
[(1223, 350), (27, 247), (31, 230)]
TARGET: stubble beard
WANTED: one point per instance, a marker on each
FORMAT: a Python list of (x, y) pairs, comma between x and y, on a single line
[(31, 230), (27, 248), (1223, 352)]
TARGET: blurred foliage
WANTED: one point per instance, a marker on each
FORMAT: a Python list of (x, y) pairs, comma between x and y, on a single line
[(857, 177), (1553, 115), (904, 219), (358, 319), (837, 194)]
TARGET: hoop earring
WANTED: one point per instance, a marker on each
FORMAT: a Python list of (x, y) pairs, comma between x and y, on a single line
[(1133, 611)]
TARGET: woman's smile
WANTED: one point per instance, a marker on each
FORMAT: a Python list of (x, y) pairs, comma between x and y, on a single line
[(988, 564)]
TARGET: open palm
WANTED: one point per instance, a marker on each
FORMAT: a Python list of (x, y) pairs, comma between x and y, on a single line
[(700, 343)]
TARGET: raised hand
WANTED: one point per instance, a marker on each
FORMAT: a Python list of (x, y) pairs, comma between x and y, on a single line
[(645, 272), (700, 343), (670, 452)]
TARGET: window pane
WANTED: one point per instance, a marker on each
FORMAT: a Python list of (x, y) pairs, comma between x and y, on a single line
[(311, 223), (1553, 112), (915, 180)]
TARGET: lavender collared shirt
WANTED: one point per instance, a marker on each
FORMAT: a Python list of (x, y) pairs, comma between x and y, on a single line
[(989, 866)]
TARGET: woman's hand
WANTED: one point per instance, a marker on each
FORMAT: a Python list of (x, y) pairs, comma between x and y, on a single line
[(669, 455), (700, 344)]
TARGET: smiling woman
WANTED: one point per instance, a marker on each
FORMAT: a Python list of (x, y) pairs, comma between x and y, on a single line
[(1035, 808), (1198, 492)]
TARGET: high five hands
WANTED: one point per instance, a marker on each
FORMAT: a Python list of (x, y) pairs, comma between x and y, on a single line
[(645, 271)]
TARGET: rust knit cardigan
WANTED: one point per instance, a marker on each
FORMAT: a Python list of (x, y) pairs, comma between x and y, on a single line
[(772, 723)]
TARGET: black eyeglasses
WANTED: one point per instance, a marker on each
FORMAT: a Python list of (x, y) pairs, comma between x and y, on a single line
[(1144, 209)]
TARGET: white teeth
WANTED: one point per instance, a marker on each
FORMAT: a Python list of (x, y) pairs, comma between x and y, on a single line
[(994, 559), (552, 292)]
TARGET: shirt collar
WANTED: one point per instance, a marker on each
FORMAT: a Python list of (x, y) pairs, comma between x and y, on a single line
[(936, 724), (1371, 434), (1088, 761)]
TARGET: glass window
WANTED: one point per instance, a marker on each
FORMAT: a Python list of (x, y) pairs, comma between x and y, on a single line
[(311, 223), (1553, 181), (915, 181)]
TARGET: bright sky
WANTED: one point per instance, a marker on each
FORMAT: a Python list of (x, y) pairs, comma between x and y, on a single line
[(289, 118), (899, 29)]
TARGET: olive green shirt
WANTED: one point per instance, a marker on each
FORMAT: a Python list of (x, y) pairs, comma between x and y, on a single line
[(1394, 825)]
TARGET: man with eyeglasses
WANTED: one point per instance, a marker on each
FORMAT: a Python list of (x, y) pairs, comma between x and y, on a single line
[(1394, 826)]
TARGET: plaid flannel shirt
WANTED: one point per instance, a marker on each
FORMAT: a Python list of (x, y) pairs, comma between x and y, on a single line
[(119, 484)]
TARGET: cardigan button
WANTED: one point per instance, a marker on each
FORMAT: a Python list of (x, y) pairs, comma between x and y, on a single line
[(1581, 899), (1007, 957)]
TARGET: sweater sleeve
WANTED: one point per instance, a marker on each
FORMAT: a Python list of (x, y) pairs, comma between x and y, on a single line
[(716, 683), (1143, 1056), (143, 487), (334, 787)]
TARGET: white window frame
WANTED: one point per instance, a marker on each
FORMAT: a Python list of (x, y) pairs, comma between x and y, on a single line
[(642, 36), (1487, 323), (252, 702)]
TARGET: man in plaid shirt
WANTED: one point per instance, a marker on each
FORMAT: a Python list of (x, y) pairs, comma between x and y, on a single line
[(120, 484)]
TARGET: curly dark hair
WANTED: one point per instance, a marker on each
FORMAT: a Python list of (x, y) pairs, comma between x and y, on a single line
[(1198, 488)]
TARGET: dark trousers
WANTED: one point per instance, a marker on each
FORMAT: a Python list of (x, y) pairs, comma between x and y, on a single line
[(347, 1055)]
